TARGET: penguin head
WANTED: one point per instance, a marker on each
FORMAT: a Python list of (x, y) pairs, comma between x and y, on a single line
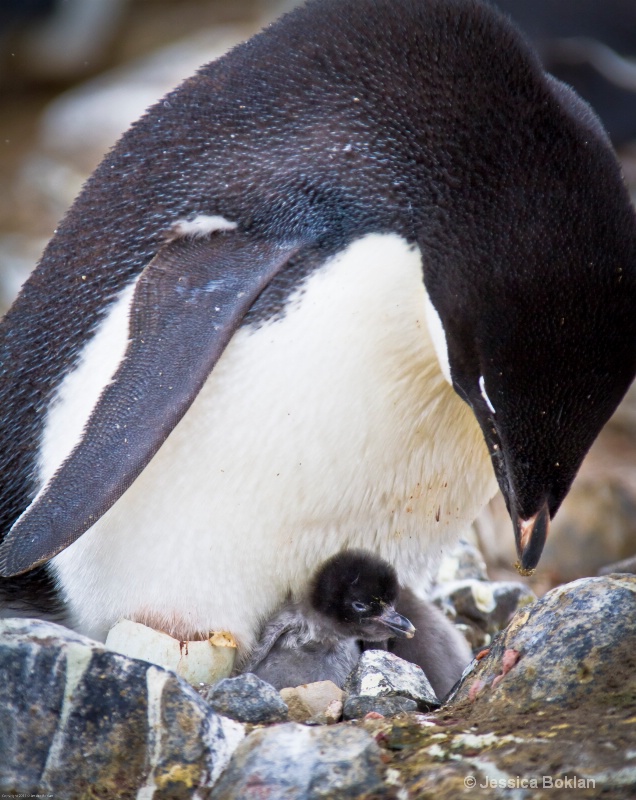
[(357, 591), (538, 318)]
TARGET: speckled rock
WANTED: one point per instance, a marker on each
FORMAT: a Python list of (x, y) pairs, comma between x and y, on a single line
[(78, 720), (549, 713), (304, 763), (555, 652), (358, 706), (246, 698), (320, 702), (480, 608), (382, 674)]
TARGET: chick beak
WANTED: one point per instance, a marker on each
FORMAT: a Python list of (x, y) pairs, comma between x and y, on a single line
[(530, 536), (396, 623)]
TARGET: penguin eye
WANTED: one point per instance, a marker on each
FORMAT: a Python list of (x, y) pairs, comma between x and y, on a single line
[(359, 607)]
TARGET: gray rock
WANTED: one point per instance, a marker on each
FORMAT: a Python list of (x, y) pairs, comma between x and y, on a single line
[(301, 763), (555, 652), (358, 706), (548, 713), (246, 698), (463, 562), (78, 720), (382, 674), (482, 608)]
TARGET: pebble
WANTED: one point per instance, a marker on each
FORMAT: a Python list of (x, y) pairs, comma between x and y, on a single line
[(320, 702), (358, 706), (382, 674), (246, 698)]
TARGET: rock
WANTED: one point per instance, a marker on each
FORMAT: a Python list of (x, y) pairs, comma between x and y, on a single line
[(382, 674), (333, 712), (246, 698), (303, 763), (79, 720), (319, 702), (202, 661), (463, 562), (479, 608), (358, 706), (555, 652), (548, 712)]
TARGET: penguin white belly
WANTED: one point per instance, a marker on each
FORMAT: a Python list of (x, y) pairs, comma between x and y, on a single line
[(329, 427)]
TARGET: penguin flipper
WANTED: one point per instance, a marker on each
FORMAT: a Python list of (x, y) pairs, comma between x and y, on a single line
[(187, 304), (275, 633)]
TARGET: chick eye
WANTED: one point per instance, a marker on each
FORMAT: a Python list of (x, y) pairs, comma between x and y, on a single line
[(359, 607)]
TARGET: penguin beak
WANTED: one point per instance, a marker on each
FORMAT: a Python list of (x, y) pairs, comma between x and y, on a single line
[(396, 623), (530, 536)]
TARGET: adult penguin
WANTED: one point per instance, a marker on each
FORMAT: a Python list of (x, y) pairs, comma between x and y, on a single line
[(300, 306)]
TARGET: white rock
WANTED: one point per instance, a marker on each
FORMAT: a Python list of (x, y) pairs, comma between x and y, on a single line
[(383, 674), (206, 661)]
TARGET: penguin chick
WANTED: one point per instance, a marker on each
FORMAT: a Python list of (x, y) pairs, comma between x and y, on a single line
[(350, 598), (437, 646)]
